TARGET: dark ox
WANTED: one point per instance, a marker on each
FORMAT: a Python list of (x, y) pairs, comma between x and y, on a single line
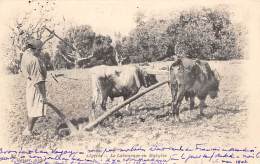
[(117, 81), (190, 79)]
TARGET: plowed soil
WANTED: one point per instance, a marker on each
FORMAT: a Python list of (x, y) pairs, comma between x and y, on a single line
[(225, 120)]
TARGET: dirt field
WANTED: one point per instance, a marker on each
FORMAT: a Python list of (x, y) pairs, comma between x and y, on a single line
[(225, 120)]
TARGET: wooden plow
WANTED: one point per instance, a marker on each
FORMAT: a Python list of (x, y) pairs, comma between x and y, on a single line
[(73, 130), (92, 124)]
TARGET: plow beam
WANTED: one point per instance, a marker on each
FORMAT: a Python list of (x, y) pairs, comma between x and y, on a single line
[(90, 125)]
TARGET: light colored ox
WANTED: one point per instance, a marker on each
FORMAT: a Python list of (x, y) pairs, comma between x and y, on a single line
[(117, 81)]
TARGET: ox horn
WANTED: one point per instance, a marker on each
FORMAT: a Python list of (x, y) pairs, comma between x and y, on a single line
[(217, 74)]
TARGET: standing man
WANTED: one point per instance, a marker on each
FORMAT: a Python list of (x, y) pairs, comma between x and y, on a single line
[(34, 70)]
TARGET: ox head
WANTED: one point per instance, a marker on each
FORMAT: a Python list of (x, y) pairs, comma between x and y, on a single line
[(207, 78), (147, 79), (214, 84)]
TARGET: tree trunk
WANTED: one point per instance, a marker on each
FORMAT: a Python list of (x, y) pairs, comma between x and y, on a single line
[(76, 64)]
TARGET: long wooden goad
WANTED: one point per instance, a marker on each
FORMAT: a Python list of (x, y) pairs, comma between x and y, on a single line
[(116, 108), (73, 48)]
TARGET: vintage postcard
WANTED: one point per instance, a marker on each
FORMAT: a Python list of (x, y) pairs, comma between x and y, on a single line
[(129, 81)]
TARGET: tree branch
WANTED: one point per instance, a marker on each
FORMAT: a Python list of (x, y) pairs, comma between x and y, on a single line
[(86, 58), (39, 21), (66, 59), (71, 56), (73, 48), (50, 37)]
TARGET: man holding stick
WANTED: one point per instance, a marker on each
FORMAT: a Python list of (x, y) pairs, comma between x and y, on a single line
[(34, 70)]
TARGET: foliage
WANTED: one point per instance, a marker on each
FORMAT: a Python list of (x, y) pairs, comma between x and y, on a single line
[(81, 38), (47, 61), (148, 41), (103, 50), (13, 66), (59, 62), (197, 33), (206, 34), (89, 48), (30, 24), (202, 33)]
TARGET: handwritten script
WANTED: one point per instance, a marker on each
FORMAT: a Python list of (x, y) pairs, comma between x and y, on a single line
[(136, 154)]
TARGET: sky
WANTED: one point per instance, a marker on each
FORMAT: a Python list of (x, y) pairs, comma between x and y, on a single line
[(104, 16)]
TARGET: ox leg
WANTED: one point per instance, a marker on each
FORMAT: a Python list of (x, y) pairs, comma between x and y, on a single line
[(105, 92), (192, 103), (174, 91), (92, 114), (103, 103), (202, 105), (127, 107), (177, 105), (96, 97), (174, 109), (177, 92)]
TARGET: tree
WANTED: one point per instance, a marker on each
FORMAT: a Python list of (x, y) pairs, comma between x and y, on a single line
[(147, 41), (81, 47), (202, 33), (47, 60), (26, 26), (205, 34), (77, 45), (103, 50)]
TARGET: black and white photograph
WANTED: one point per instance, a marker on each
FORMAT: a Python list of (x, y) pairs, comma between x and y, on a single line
[(129, 82)]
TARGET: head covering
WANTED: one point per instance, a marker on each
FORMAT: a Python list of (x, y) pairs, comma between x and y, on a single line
[(35, 43)]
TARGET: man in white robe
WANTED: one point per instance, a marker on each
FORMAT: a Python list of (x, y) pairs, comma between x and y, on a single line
[(34, 70)]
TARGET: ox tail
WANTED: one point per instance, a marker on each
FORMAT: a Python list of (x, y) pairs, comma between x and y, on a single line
[(138, 76), (169, 74), (95, 91)]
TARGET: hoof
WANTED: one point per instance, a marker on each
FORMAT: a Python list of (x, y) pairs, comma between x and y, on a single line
[(199, 116), (91, 118), (64, 132), (118, 115), (27, 132), (126, 112), (177, 119)]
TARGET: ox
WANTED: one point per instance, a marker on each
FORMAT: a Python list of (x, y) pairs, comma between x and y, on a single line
[(117, 81), (190, 79)]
